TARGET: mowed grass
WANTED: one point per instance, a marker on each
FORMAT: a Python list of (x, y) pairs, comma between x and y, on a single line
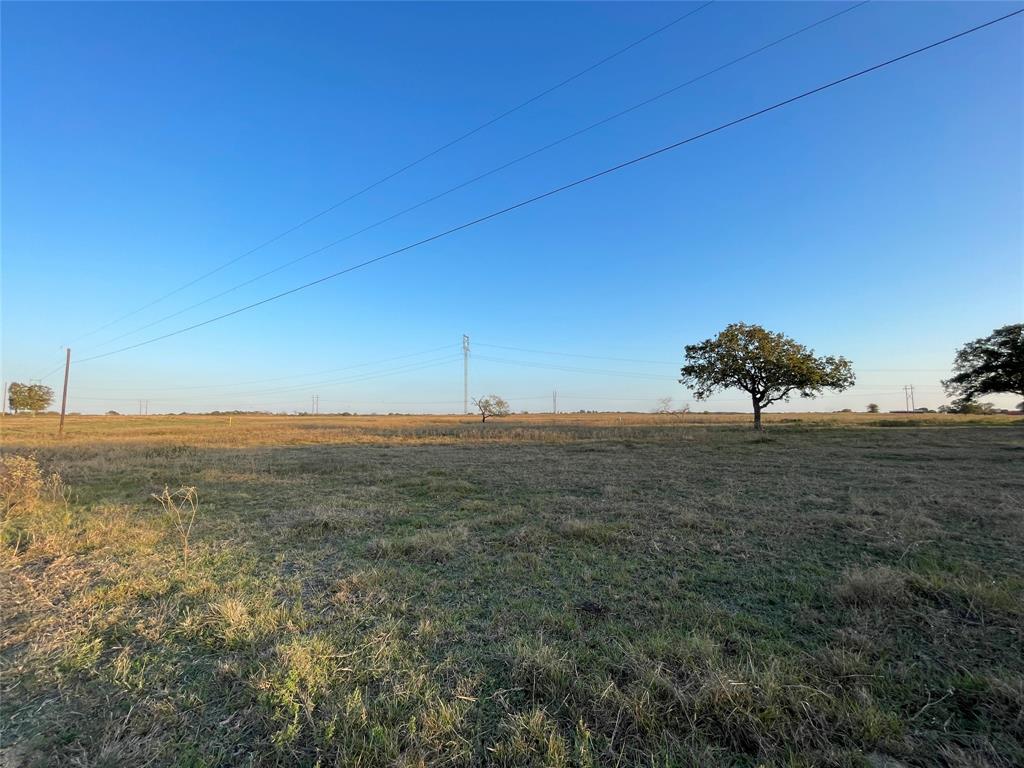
[(574, 591)]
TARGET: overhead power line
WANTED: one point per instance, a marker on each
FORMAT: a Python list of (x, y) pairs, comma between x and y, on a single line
[(400, 370), (451, 346), (670, 362), (48, 375), (553, 367), (407, 167), (607, 372), (482, 176), (407, 368), (557, 190), (573, 354)]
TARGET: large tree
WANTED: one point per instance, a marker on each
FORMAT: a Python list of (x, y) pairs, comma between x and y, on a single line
[(989, 366), (768, 366), (29, 397)]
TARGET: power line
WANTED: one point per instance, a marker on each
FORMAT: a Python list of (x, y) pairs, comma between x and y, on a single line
[(631, 374), (573, 354), (408, 368), (481, 176), (406, 167), (350, 379), (673, 362), (553, 367), (564, 187), (311, 373), (48, 375), (288, 390)]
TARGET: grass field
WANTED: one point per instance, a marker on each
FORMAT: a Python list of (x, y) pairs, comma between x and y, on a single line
[(607, 590)]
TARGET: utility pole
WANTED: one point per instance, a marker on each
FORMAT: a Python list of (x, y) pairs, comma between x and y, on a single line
[(465, 374), (64, 397), (913, 405), (554, 401)]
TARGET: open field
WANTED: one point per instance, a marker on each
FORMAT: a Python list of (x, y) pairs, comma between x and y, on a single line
[(587, 590)]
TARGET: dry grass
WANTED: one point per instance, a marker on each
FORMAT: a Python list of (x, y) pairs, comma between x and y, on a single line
[(21, 484), (581, 591), (880, 586), (248, 431)]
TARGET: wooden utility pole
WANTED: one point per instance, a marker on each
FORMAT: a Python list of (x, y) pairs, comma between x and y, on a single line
[(64, 397)]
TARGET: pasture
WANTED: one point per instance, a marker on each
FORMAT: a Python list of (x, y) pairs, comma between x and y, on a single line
[(579, 590)]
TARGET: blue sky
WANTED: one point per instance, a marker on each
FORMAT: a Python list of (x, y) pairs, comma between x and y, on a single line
[(145, 144)]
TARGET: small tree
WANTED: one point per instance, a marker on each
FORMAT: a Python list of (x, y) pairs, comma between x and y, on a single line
[(988, 366), (664, 405), (872, 407), (768, 366), (492, 405), (29, 397)]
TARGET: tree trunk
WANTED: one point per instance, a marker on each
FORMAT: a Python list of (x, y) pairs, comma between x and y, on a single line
[(757, 415), (483, 417)]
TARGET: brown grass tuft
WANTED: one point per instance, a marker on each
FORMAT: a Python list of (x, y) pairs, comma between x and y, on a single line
[(872, 587)]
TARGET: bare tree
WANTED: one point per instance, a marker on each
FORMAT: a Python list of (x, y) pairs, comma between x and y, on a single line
[(665, 407), (492, 405)]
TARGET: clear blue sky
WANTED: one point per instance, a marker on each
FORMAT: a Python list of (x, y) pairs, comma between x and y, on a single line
[(146, 143)]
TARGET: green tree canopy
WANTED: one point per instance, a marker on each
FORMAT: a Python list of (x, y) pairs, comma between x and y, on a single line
[(768, 366), (989, 366), (29, 397)]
